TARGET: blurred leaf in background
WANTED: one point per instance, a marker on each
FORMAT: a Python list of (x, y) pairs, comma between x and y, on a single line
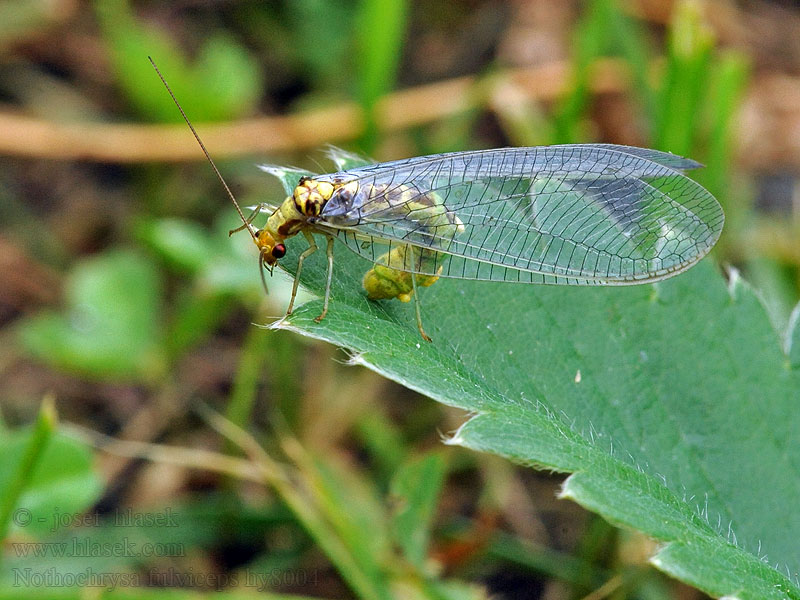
[(112, 327), (224, 81)]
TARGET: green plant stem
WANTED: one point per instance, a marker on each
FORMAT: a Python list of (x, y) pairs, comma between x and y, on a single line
[(245, 385), (40, 436)]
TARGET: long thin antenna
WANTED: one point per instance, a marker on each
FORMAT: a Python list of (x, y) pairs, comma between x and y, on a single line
[(203, 147)]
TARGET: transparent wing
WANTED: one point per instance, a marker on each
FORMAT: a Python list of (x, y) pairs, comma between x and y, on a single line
[(577, 214)]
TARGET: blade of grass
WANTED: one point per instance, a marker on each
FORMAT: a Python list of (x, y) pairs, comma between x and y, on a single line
[(591, 37), (521, 117), (348, 504), (382, 439), (576, 571), (731, 75), (41, 434), (251, 364), (305, 509), (380, 28), (416, 486), (685, 81), (634, 47)]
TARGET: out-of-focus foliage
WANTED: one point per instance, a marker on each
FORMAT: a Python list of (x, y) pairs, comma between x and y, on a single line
[(42, 469), (112, 323), (223, 82)]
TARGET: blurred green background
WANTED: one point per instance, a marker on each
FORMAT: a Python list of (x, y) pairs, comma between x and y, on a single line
[(124, 303)]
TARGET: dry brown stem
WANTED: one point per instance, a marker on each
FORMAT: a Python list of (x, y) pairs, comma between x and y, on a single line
[(768, 129)]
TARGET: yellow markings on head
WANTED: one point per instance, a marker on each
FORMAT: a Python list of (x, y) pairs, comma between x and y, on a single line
[(311, 195), (270, 248)]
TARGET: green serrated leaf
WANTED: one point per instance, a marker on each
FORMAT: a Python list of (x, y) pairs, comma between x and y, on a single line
[(792, 340), (673, 401)]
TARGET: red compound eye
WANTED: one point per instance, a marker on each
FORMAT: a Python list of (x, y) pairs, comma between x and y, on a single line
[(279, 251)]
